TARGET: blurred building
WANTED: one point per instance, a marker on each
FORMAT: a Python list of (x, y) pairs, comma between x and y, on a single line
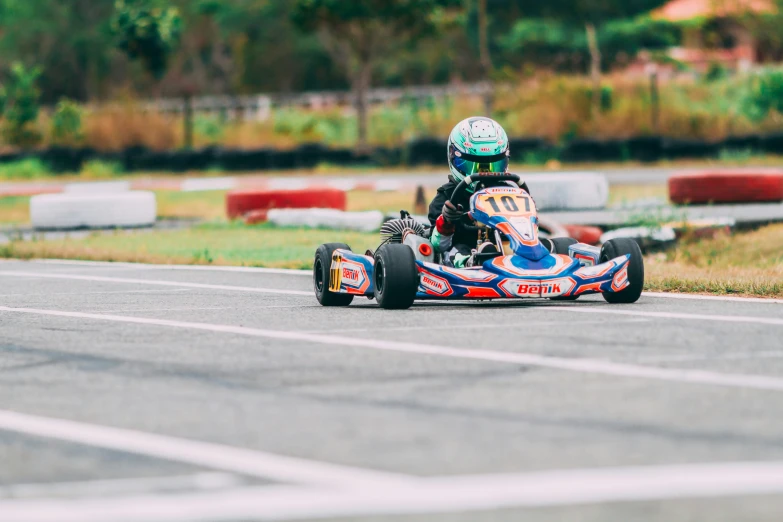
[(720, 32)]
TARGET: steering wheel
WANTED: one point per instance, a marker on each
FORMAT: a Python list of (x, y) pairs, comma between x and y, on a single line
[(463, 185)]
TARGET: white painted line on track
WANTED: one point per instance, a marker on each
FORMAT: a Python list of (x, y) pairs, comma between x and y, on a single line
[(125, 280), (426, 496), (210, 455), (698, 297), (461, 326), (123, 486), (144, 310), (592, 366), (605, 309), (575, 309), (145, 266), (308, 273), (33, 294)]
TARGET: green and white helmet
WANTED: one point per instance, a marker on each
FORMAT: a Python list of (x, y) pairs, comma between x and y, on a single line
[(477, 144)]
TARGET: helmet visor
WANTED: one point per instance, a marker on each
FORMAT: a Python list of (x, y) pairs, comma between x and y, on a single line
[(468, 164)]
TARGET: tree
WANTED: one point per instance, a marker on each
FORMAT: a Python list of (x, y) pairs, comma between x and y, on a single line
[(592, 15), (69, 40), (358, 32), (148, 30), (555, 45), (21, 107)]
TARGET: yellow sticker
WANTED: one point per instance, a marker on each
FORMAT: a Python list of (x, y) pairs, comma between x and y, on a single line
[(335, 276)]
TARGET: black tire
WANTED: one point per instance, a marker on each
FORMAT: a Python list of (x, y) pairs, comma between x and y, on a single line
[(321, 276), (395, 277), (619, 247), (560, 246)]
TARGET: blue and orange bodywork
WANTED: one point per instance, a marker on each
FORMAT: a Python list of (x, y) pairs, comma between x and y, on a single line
[(502, 277), (527, 270)]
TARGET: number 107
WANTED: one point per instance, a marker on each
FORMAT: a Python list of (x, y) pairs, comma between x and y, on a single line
[(509, 203)]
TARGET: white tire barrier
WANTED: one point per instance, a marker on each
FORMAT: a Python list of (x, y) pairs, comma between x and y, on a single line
[(568, 191), (326, 218), (108, 210)]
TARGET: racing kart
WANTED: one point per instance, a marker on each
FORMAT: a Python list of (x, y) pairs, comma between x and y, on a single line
[(510, 261)]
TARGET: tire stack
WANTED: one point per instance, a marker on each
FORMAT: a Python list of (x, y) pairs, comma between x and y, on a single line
[(254, 205), (711, 187), (93, 205), (569, 191)]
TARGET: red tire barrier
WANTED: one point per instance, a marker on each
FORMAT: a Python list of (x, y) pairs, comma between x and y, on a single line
[(584, 234), (726, 187), (241, 202)]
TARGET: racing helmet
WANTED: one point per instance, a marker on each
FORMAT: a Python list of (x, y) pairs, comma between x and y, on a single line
[(477, 144)]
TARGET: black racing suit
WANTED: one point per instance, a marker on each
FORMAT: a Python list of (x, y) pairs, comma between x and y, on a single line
[(454, 242)]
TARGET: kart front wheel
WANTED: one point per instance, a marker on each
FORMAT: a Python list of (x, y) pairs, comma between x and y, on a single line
[(560, 246), (620, 247), (395, 277), (321, 272)]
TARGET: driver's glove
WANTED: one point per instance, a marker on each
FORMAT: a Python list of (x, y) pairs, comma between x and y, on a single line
[(452, 213)]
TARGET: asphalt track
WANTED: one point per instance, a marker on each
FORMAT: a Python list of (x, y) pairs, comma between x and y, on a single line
[(138, 393)]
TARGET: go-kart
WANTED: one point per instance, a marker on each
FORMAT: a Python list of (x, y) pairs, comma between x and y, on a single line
[(510, 260)]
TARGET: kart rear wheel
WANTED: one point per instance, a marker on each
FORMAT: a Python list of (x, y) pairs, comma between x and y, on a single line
[(560, 246), (620, 247), (321, 272), (395, 277)]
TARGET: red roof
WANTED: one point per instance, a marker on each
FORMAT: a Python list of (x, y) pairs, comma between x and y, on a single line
[(678, 10)]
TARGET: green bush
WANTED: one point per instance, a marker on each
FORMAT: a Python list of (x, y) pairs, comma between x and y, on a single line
[(101, 169), (25, 169), (209, 128), (764, 94), (67, 123), (21, 107)]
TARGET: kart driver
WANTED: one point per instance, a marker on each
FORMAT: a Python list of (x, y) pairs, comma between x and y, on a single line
[(476, 144)]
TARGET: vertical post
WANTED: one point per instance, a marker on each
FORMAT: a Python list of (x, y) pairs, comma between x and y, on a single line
[(188, 121), (655, 104), (595, 67), (420, 203), (361, 86)]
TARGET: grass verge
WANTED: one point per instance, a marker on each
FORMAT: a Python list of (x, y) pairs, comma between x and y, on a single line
[(746, 264), (14, 210), (214, 243)]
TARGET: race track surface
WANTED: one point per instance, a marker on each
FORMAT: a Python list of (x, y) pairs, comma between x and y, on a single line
[(138, 393)]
